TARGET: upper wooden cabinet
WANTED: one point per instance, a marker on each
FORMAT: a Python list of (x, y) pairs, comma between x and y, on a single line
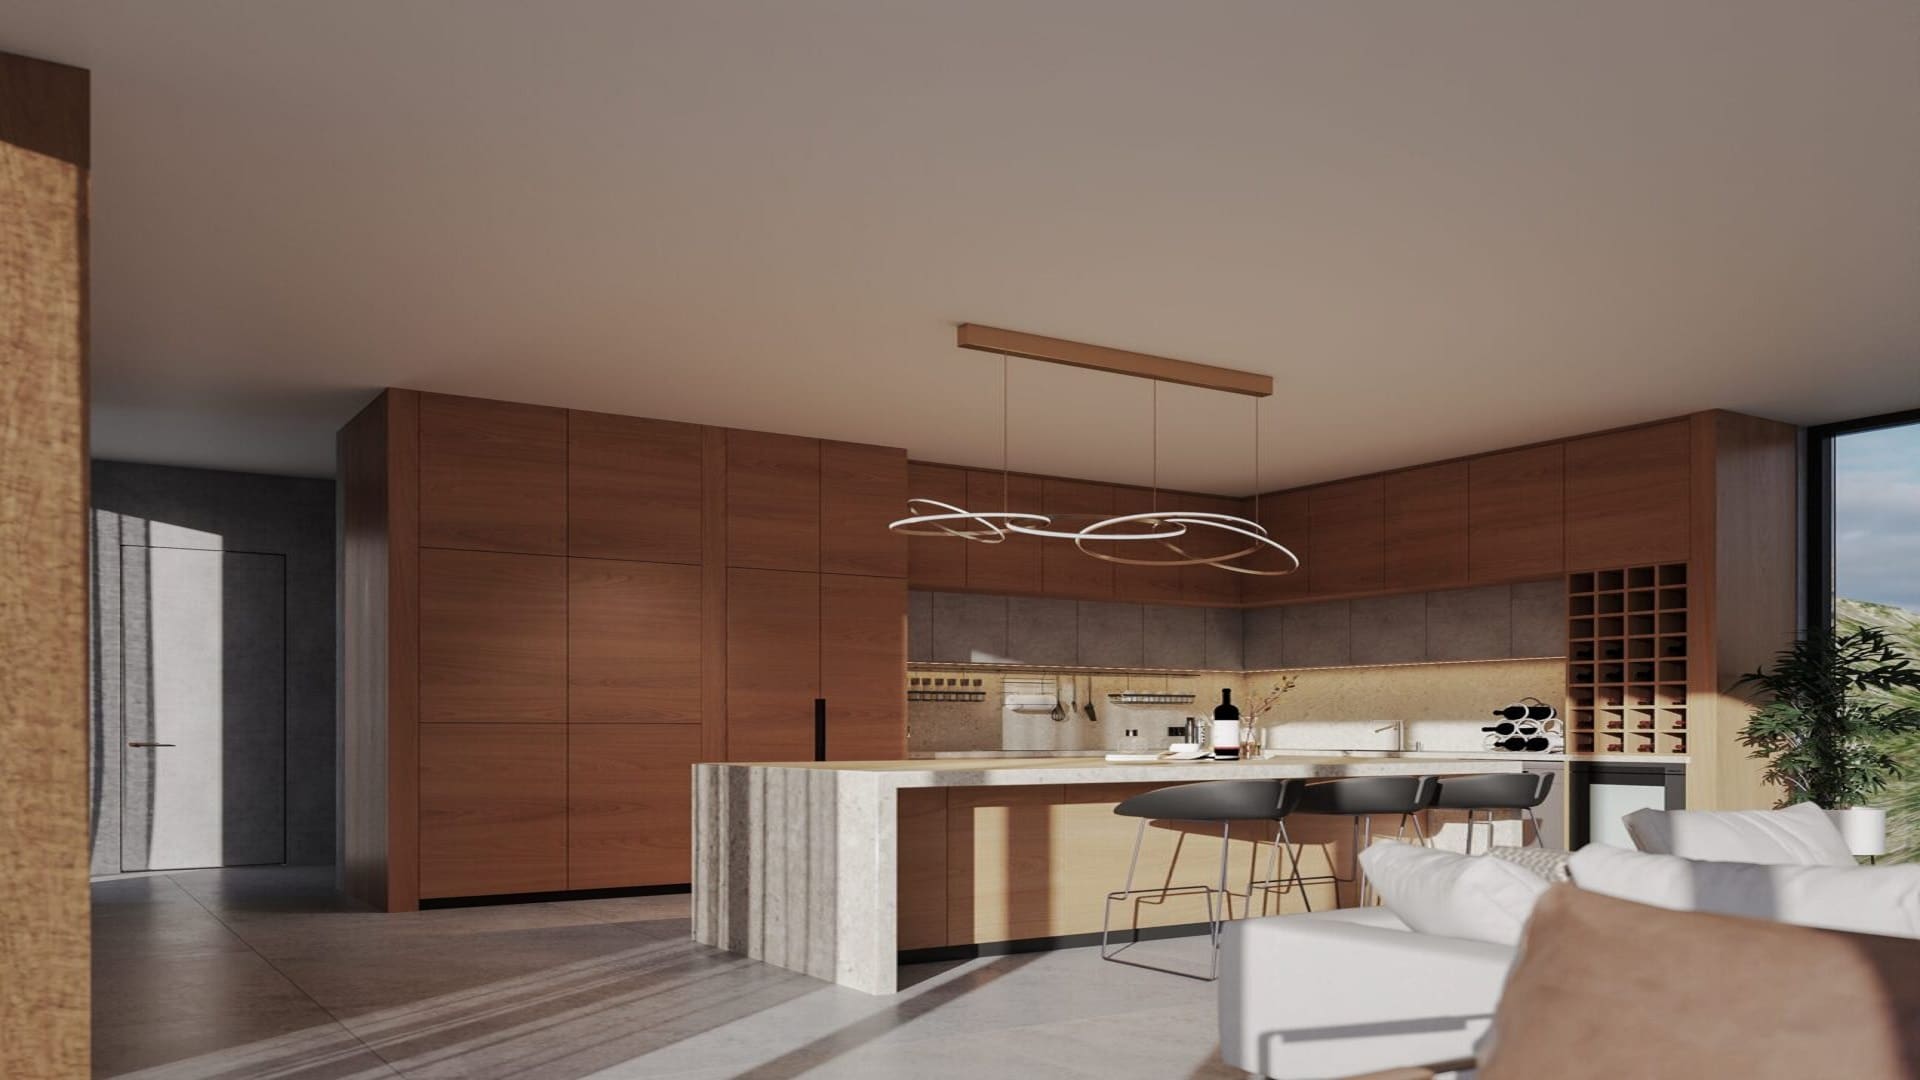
[(1425, 523), (1012, 566), (633, 488), (1144, 584), (633, 642), (493, 475), (630, 804), (937, 562), (493, 637), (773, 664), (863, 663), (1209, 584), (493, 809), (773, 501), (1628, 496), (1285, 515), (1346, 542), (1064, 569), (862, 488), (1516, 510)]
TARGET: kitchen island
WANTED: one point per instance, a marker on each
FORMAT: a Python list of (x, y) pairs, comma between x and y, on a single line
[(835, 868)]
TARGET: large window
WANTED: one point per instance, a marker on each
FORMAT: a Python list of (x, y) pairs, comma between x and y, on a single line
[(1866, 569)]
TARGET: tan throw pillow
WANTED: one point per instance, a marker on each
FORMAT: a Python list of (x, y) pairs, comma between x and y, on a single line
[(1606, 988)]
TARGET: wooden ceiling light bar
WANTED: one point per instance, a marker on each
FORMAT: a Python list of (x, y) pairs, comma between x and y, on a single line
[(1100, 358)]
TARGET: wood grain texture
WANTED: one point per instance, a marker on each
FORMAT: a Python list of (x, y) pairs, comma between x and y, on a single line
[(863, 664), (493, 637), (493, 475), (1064, 570), (1210, 584), (1287, 518), (936, 562), (713, 595), (1013, 566), (634, 488), (1628, 496), (773, 501), (1346, 543), (630, 804), (44, 996), (634, 632), (773, 664), (1120, 361), (1425, 523), (1146, 584), (493, 809), (1516, 510), (922, 868), (862, 488)]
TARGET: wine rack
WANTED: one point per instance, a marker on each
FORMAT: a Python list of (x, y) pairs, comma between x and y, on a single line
[(1627, 660)]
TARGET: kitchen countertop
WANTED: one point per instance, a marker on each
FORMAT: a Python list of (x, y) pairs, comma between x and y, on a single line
[(980, 771), (1342, 755)]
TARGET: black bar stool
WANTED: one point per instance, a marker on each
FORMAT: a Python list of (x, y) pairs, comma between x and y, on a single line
[(1488, 792), (1362, 798), (1213, 801)]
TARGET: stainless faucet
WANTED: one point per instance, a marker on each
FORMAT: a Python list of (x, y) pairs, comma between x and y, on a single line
[(1399, 729)]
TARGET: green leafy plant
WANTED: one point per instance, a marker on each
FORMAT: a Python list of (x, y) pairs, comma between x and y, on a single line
[(1827, 716)]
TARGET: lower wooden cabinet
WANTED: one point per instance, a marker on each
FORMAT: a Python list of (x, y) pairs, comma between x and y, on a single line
[(629, 804), (493, 808)]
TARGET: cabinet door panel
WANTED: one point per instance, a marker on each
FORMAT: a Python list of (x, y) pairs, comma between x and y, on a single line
[(493, 637), (1065, 570), (1517, 513), (1628, 496), (773, 664), (862, 488), (1285, 515), (1210, 584), (937, 562), (493, 475), (633, 642), (1346, 542), (1426, 527), (1144, 584), (633, 488), (773, 501), (629, 804), (493, 809), (863, 663), (1012, 566)]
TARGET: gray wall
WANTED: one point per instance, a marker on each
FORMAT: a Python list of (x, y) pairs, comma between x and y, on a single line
[(288, 516)]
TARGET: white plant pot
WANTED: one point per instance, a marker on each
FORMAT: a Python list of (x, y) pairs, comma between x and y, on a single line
[(1863, 827)]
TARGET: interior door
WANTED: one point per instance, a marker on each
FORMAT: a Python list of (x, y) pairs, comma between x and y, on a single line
[(203, 672)]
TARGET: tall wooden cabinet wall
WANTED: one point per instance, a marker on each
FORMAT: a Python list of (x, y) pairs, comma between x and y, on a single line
[(550, 615)]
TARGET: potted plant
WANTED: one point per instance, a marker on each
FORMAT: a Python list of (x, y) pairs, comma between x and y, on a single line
[(1831, 702)]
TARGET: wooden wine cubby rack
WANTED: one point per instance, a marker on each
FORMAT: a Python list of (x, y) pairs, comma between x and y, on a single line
[(1627, 660)]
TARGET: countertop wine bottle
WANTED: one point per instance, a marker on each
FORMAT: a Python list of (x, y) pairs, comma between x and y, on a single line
[(1226, 728)]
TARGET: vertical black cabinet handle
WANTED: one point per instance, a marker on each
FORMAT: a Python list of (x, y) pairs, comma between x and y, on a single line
[(819, 729)]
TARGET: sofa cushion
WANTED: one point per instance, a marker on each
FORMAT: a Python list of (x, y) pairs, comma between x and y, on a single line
[(1607, 989), (1863, 899), (1549, 863), (1799, 835), (1459, 896)]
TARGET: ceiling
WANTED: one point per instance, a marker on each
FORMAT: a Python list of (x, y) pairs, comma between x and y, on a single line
[(1442, 228)]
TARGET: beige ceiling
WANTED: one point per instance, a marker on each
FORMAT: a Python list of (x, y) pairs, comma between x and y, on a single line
[(1442, 227)]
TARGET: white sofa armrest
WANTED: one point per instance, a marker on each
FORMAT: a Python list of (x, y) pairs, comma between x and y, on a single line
[(1332, 994)]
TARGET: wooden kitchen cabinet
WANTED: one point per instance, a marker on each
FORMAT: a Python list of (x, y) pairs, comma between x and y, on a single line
[(1628, 496), (1285, 515), (633, 488), (1425, 527), (1346, 542), (773, 664), (863, 662), (1064, 570), (633, 642), (1209, 584), (1012, 566), (773, 501), (493, 475), (1516, 511), (493, 637), (862, 488), (1143, 584), (629, 804), (937, 562), (493, 809)]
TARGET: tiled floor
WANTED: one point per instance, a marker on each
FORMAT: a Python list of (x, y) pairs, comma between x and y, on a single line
[(268, 973)]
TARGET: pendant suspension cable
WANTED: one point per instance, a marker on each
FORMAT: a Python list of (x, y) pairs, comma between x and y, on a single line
[(1154, 499), (1004, 425)]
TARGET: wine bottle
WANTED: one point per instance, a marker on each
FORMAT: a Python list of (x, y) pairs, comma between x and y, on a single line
[(1226, 728)]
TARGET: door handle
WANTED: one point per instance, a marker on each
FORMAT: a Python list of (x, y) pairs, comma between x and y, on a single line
[(149, 744)]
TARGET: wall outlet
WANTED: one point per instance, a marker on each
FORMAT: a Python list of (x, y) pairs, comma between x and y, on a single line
[(1176, 732)]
